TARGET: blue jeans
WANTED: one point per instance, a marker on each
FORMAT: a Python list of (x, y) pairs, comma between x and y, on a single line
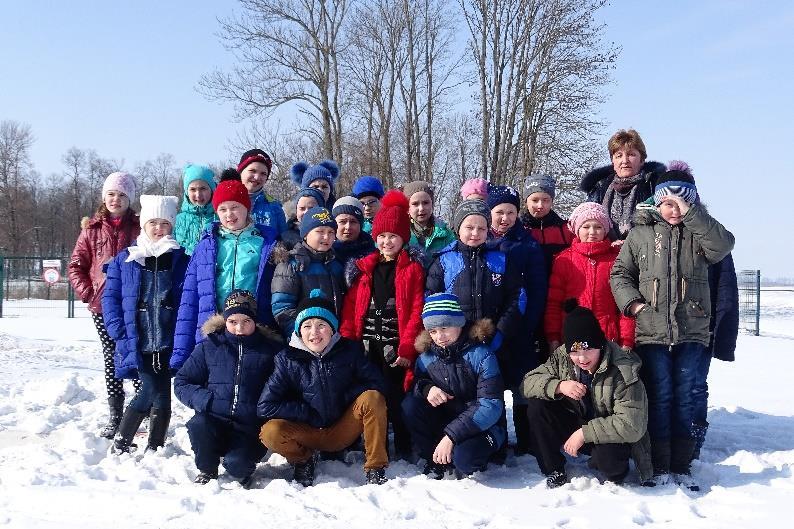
[(155, 377), (700, 392), (213, 438), (669, 375)]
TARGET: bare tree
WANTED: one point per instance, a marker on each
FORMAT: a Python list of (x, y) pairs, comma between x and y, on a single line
[(16, 140)]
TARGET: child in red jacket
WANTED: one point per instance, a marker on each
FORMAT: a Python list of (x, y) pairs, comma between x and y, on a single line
[(383, 307), (582, 272)]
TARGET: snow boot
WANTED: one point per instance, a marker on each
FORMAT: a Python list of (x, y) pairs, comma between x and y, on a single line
[(436, 471), (159, 418), (680, 458), (116, 407), (556, 479), (130, 423), (304, 472), (205, 477), (376, 476)]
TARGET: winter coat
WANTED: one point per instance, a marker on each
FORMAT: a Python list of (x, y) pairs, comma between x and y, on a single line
[(441, 237), (191, 221), (267, 211), (666, 267), (225, 375), (517, 355), (237, 261), (486, 283), (198, 294), (551, 232), (97, 244), (596, 182), (298, 272), (724, 325), (351, 251), (317, 390), (469, 371), (291, 237), (618, 397), (130, 307), (409, 280), (582, 272)]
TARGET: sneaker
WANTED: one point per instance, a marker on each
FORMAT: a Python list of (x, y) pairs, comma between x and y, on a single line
[(658, 480), (436, 471), (556, 479), (304, 472), (686, 481), (376, 476), (205, 477)]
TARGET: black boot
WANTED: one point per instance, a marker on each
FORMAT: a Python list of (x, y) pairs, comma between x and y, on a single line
[(699, 430), (521, 424), (116, 406), (681, 455), (304, 472), (130, 422), (158, 427)]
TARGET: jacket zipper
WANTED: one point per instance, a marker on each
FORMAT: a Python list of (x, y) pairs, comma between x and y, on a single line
[(655, 294), (237, 377), (234, 264), (151, 312)]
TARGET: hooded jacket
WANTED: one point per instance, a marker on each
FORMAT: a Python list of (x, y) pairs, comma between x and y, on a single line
[(439, 238), (191, 221)]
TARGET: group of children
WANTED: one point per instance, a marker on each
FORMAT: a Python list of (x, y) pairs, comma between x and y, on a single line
[(300, 332)]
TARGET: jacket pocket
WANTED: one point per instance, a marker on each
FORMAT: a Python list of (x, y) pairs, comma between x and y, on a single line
[(695, 310)]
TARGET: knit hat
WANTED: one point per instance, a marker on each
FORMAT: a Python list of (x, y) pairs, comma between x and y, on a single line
[(122, 182), (303, 174), (312, 193), (315, 218), (477, 186), (540, 183), (470, 207), (240, 302), (254, 155), (191, 173), (409, 188), (158, 207), (231, 188), (503, 195), (678, 181), (368, 185), (350, 205), (580, 329), (442, 310), (589, 211), (393, 216), (316, 306)]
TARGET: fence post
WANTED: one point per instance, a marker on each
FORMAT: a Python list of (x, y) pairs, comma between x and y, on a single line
[(757, 302), (69, 300)]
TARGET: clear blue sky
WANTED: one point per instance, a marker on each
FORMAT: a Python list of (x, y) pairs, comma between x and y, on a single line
[(710, 82)]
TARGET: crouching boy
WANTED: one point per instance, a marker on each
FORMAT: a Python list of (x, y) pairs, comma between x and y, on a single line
[(456, 410), (323, 395), (588, 397), (222, 381)]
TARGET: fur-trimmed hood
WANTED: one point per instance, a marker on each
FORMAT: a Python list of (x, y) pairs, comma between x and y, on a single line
[(481, 331), (217, 323), (593, 177)]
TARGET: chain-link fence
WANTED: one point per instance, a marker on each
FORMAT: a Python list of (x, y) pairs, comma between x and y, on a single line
[(749, 300), (35, 286)]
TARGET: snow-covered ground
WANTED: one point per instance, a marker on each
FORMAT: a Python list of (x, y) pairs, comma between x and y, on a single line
[(55, 472)]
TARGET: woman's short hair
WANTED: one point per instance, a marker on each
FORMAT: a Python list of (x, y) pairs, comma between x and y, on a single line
[(626, 138)]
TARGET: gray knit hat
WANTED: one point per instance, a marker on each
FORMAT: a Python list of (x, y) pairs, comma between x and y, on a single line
[(540, 183), (470, 207)]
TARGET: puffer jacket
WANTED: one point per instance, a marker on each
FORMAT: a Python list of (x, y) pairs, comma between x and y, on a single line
[(226, 374), (317, 390), (291, 237), (469, 371), (666, 267), (98, 243), (191, 221), (724, 324), (267, 211), (198, 301), (441, 237), (551, 232), (596, 182), (409, 279), (486, 283), (135, 322), (582, 272), (298, 272), (618, 397), (351, 251), (237, 260)]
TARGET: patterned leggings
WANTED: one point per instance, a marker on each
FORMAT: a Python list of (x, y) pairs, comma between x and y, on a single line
[(115, 386)]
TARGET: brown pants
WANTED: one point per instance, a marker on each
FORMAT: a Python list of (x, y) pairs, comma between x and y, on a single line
[(298, 441)]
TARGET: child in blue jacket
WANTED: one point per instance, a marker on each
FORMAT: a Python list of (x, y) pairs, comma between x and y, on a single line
[(142, 292), (254, 169), (196, 213)]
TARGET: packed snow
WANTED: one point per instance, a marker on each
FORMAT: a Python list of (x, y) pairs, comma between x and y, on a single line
[(57, 473)]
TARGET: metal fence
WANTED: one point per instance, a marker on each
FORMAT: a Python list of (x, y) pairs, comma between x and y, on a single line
[(35, 285), (750, 301)]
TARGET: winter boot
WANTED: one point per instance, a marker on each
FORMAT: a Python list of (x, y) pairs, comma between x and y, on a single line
[(116, 406), (556, 479), (699, 430), (680, 458), (304, 472), (521, 424), (375, 476), (158, 427), (436, 471), (205, 477), (129, 426), (660, 457)]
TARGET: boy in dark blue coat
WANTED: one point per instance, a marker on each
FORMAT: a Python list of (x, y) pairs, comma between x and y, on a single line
[(222, 381), (456, 410), (142, 291), (323, 395)]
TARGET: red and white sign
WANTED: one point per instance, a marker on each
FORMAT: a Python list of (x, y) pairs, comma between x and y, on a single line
[(51, 276)]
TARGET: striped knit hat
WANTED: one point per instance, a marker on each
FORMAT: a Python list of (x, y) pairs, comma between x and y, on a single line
[(675, 183), (316, 306), (442, 310)]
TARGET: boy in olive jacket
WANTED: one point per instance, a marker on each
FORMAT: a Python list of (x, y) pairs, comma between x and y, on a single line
[(588, 397), (661, 278)]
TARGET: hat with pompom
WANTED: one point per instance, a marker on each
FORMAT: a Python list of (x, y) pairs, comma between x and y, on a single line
[(580, 329), (231, 188), (393, 216), (303, 174), (677, 181), (316, 306), (474, 186)]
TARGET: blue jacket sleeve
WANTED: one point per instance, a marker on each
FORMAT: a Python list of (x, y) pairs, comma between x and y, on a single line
[(187, 316), (191, 381), (280, 398), (112, 310), (285, 290), (435, 278), (422, 380)]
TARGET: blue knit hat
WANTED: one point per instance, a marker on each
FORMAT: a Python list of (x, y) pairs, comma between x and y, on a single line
[(303, 174), (316, 306), (442, 310), (315, 218), (310, 192), (191, 173), (503, 195), (675, 183), (351, 206), (368, 185)]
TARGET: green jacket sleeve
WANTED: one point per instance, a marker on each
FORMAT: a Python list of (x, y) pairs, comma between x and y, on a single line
[(627, 423), (542, 382), (716, 241), (625, 275)]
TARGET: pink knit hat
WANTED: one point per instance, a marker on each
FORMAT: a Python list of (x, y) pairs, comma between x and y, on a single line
[(475, 185), (589, 211), (122, 182)]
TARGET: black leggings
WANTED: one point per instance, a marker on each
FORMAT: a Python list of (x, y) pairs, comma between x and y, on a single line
[(115, 386)]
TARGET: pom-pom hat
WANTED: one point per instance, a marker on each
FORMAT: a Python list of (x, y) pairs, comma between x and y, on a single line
[(231, 188), (303, 174), (678, 181), (393, 216), (316, 306)]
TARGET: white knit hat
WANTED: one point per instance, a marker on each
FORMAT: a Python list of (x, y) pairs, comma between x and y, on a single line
[(158, 207)]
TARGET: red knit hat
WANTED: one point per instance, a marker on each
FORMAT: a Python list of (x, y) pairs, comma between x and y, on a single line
[(393, 216), (231, 188)]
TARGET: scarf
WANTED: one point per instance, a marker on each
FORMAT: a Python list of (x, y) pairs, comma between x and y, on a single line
[(422, 233), (620, 200), (145, 247)]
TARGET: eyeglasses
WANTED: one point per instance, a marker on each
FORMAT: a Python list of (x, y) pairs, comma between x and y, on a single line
[(369, 203)]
